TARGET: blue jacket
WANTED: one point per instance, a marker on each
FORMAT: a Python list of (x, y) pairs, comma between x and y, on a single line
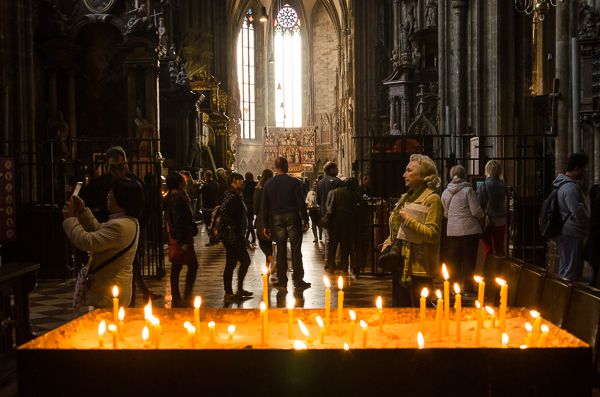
[(325, 185)]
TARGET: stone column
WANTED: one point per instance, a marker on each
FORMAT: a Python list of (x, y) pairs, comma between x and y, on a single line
[(441, 63), (596, 133), (392, 112), (131, 97), (403, 112), (459, 68), (396, 19), (52, 92), (151, 102), (563, 56), (71, 103)]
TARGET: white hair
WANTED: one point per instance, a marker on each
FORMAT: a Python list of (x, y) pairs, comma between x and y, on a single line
[(428, 170)]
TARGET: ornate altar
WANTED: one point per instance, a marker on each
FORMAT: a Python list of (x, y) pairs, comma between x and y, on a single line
[(297, 145)]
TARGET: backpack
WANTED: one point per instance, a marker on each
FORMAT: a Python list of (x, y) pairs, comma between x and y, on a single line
[(214, 231), (550, 220)]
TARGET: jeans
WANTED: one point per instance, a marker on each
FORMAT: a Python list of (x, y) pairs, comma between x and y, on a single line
[(192, 269), (234, 254), (284, 226), (266, 246), (463, 257), (570, 251), (340, 232)]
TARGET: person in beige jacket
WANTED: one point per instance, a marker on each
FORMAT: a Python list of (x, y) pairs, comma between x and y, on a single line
[(103, 240)]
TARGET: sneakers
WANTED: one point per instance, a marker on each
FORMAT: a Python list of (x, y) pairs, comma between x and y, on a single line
[(243, 292), (280, 286), (301, 284)]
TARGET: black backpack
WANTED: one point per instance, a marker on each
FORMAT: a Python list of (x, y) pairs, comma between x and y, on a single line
[(550, 220), (214, 231)]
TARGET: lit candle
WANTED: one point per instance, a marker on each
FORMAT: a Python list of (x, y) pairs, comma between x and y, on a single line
[(504, 340), (115, 292), (321, 330), (447, 300), (543, 342), (291, 302), (479, 321), (492, 313), (458, 308), (439, 315), (212, 332), (231, 330), (481, 289), (101, 331), (340, 304), (365, 334), (298, 345), (148, 315), (352, 325), (157, 332), (265, 276), (537, 326), (420, 340), (263, 307), (424, 294), (379, 304), (191, 336), (115, 335), (346, 347), (305, 332), (121, 325), (528, 338), (503, 303), (327, 304), (197, 304), (145, 337)]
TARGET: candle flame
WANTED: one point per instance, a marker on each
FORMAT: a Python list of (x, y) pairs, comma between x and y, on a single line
[(187, 324), (479, 279), (424, 293), (490, 310), (545, 329), (263, 306), (155, 321), (298, 345), (340, 283), (112, 328), (191, 329), (146, 334), (265, 270), (291, 302), (346, 347), (363, 324), (121, 314), (148, 311), (231, 329), (115, 292), (197, 302), (320, 322), (352, 315), (379, 303), (501, 282), (534, 314), (477, 304), (456, 288), (523, 347), (326, 281), (420, 340), (211, 324), (438, 293), (303, 328), (102, 328), (528, 327), (504, 339), (445, 272)]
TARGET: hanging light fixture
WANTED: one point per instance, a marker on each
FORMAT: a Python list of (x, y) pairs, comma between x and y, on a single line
[(538, 6), (278, 86), (263, 14), (281, 105), (272, 58)]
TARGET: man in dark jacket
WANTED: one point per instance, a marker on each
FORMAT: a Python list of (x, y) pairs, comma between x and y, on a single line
[(209, 192), (329, 182), (222, 185), (342, 203)]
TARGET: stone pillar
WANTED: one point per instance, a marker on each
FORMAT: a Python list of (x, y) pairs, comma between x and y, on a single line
[(596, 133), (396, 19), (52, 92), (403, 112), (71, 103), (151, 102), (131, 97), (563, 57), (392, 112), (441, 63), (459, 68)]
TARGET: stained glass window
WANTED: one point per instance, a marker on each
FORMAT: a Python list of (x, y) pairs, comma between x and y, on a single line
[(288, 68), (245, 63)]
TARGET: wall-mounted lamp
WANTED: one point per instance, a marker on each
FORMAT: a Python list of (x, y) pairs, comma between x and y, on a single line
[(263, 14)]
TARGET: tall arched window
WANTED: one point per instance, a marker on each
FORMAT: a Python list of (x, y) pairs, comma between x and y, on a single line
[(246, 76), (288, 68)]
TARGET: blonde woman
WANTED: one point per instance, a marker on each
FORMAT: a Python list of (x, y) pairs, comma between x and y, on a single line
[(492, 198), (420, 260)]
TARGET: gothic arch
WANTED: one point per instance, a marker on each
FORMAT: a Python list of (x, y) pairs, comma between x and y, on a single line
[(333, 15), (91, 19)]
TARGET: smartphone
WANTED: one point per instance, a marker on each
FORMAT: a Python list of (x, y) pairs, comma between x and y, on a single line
[(77, 189)]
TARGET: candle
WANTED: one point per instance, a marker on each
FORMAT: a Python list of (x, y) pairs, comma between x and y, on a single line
[(420, 340), (101, 331), (197, 304), (424, 294), (120, 326), (148, 315), (321, 330), (340, 304), (145, 337), (439, 315), (479, 321), (298, 345), (481, 289), (157, 332), (115, 335), (327, 304), (447, 300), (291, 302), (212, 332), (346, 347), (365, 334), (379, 305), (523, 347), (265, 276), (352, 325), (191, 336), (503, 303), (263, 307), (543, 342), (528, 338), (231, 330), (492, 313), (115, 292), (504, 340), (537, 325), (458, 308), (305, 332)]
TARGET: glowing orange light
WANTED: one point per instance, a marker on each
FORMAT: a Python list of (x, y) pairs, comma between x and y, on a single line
[(500, 281), (379, 303), (424, 293), (456, 288), (145, 334), (121, 314), (340, 283), (320, 322), (504, 339), (479, 279), (490, 310), (303, 328), (326, 281), (346, 347), (298, 345), (445, 272), (420, 340), (197, 302), (534, 314), (545, 329), (352, 315), (529, 328), (102, 328), (115, 292), (438, 293)]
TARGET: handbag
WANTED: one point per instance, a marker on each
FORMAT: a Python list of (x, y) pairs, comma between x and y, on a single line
[(487, 224), (391, 257), (85, 276)]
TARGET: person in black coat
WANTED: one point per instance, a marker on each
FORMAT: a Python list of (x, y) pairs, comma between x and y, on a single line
[(249, 186)]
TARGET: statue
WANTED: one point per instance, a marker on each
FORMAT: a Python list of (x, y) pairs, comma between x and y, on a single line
[(589, 22), (145, 131), (416, 57), (173, 71), (183, 78), (58, 22), (395, 130), (172, 50), (59, 130), (162, 33), (139, 23), (408, 28), (394, 60), (431, 13)]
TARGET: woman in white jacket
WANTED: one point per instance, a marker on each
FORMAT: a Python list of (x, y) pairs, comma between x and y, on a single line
[(125, 202), (463, 211)]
